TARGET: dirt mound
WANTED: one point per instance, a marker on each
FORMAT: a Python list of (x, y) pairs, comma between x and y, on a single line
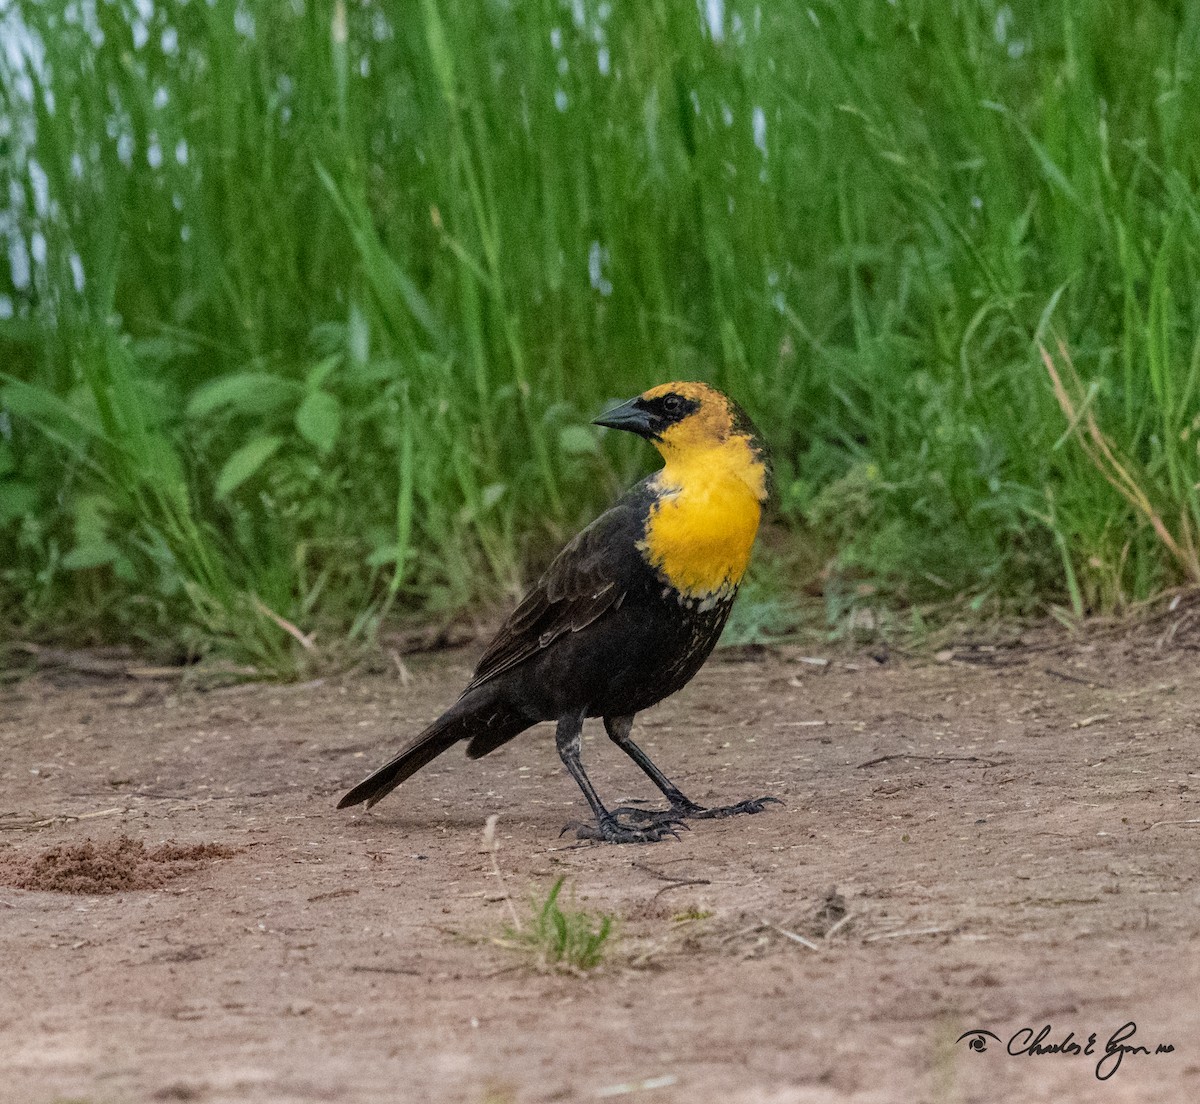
[(107, 866)]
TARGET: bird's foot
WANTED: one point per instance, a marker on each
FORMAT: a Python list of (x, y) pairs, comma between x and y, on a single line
[(750, 806), (689, 810), (636, 816), (610, 830)]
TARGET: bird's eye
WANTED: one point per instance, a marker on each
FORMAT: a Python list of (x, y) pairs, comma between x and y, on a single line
[(672, 404)]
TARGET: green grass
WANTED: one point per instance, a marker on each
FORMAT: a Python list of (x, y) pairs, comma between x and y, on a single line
[(307, 307), (570, 940)]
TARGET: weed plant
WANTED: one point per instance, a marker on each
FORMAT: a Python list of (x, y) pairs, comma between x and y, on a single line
[(570, 940)]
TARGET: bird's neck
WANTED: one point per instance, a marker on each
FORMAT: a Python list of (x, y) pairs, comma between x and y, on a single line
[(702, 528)]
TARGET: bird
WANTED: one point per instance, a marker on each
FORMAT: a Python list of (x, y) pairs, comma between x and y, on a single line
[(626, 613)]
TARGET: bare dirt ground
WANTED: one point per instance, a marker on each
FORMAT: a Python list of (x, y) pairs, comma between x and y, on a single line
[(1003, 839)]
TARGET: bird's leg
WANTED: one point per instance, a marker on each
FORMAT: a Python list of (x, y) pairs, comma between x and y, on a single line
[(682, 807), (618, 729), (567, 737)]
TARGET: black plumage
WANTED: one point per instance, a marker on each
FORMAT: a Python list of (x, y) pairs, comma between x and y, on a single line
[(601, 634)]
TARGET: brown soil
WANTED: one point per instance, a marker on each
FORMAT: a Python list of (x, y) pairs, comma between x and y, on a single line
[(108, 866), (1004, 839)]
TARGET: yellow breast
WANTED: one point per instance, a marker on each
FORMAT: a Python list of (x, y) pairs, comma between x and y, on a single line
[(701, 530)]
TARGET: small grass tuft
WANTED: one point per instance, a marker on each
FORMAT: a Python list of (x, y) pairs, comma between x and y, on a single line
[(570, 940)]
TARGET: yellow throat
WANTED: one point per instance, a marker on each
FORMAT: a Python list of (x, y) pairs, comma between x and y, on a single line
[(701, 530)]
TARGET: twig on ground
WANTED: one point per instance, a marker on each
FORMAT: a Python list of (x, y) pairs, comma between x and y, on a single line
[(356, 969), (1162, 823), (401, 667), (874, 936), (60, 818), (493, 847), (305, 640), (680, 885), (932, 759), (1073, 678), (628, 1087), (791, 935), (346, 892), (663, 876), (841, 923)]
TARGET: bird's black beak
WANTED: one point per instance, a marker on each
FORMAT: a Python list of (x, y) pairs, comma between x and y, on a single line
[(630, 416)]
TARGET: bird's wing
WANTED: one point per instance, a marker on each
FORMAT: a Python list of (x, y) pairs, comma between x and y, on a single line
[(588, 578)]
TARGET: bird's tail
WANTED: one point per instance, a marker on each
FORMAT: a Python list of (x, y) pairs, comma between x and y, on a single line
[(473, 717)]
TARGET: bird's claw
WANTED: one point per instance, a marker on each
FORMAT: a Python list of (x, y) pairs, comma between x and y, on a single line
[(750, 806), (609, 830), (624, 814), (652, 825), (681, 811)]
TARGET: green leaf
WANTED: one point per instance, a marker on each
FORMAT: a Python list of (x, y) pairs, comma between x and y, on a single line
[(245, 393), (384, 554), (17, 499), (95, 554), (319, 372), (492, 494), (47, 411), (245, 462), (577, 440), (162, 349), (358, 335), (91, 519), (319, 419)]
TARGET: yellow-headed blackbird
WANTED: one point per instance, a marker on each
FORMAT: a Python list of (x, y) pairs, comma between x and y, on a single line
[(626, 614)]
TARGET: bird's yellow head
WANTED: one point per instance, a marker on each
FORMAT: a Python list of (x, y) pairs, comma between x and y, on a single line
[(692, 425), (710, 492)]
